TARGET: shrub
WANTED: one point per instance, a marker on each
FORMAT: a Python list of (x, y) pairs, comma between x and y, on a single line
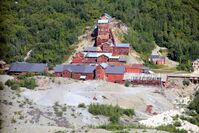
[(114, 119), (127, 84), (9, 82), (15, 87), (82, 105), (186, 82), (1, 86), (30, 83), (177, 124), (195, 104), (171, 129), (114, 112)]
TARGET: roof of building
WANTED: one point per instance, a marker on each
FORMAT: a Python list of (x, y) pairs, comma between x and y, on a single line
[(82, 68), (27, 67), (102, 21), (144, 76), (95, 55), (92, 49), (125, 45), (115, 69), (196, 60), (157, 56), (104, 65), (122, 59), (108, 16)]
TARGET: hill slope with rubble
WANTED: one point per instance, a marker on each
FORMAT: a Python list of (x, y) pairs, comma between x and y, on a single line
[(62, 104)]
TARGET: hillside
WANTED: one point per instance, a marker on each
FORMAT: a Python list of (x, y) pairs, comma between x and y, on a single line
[(49, 28)]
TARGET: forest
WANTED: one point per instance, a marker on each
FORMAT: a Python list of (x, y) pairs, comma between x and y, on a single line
[(51, 27)]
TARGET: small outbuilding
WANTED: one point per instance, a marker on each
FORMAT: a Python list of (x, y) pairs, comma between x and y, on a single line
[(157, 59), (195, 65)]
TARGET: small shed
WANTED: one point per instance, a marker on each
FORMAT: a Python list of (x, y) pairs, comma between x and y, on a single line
[(157, 59), (195, 64)]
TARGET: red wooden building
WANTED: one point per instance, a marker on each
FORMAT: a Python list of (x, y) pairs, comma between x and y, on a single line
[(121, 49), (78, 71), (100, 72), (134, 68), (157, 59), (103, 31), (78, 58), (27, 68)]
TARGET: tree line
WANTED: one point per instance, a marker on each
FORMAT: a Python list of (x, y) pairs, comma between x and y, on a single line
[(50, 27)]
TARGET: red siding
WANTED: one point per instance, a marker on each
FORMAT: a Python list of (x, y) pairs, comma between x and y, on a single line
[(133, 70), (159, 61), (66, 74), (100, 73), (107, 48), (120, 51), (89, 76), (103, 29), (90, 60), (115, 77), (102, 59)]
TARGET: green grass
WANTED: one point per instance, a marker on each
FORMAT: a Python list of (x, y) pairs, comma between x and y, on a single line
[(114, 112), (29, 83), (171, 129), (119, 127)]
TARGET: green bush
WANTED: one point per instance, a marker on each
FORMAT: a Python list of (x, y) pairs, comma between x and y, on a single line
[(194, 105), (114, 112), (171, 129), (114, 119), (10, 82), (29, 83), (117, 126), (127, 83), (82, 105), (186, 82), (177, 124), (1, 86), (24, 76), (15, 87)]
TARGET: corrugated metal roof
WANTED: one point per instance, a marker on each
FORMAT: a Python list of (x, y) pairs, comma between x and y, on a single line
[(122, 59), (58, 68), (82, 68), (125, 45), (143, 76), (27, 67), (95, 55), (104, 65), (115, 69), (196, 59), (90, 49), (102, 21), (157, 56)]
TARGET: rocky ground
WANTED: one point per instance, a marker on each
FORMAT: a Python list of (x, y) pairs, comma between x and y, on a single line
[(53, 105)]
